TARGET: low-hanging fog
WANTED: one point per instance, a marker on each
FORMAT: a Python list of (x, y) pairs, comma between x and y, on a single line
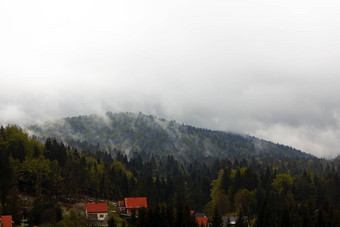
[(265, 68)]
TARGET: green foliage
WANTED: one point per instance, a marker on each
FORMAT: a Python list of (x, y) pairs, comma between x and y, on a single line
[(270, 191), (219, 198), (73, 218), (45, 211), (34, 173), (216, 220), (244, 202), (166, 216), (282, 183), (112, 222)]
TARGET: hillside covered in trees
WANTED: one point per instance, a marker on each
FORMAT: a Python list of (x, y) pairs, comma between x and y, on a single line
[(130, 132), (286, 191)]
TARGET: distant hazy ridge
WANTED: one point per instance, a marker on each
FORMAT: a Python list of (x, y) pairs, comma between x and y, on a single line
[(141, 133)]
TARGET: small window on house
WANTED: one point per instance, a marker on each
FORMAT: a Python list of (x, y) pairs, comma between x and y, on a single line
[(101, 216)]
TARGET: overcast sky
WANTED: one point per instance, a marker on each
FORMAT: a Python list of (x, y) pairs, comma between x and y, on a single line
[(265, 68)]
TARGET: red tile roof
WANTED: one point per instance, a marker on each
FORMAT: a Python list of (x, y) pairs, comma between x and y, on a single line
[(6, 221), (96, 207), (202, 220), (136, 202)]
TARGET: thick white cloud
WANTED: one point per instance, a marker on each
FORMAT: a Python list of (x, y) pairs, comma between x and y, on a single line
[(266, 68)]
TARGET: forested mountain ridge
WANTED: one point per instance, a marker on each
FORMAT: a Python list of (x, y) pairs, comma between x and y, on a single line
[(40, 181), (151, 135)]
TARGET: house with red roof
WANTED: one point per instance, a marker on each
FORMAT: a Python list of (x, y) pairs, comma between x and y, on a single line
[(97, 214), (6, 221), (134, 203), (201, 219)]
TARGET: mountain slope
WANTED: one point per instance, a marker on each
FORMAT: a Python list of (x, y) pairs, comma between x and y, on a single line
[(141, 133)]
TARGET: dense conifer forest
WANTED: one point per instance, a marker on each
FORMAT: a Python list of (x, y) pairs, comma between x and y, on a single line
[(131, 132), (41, 181)]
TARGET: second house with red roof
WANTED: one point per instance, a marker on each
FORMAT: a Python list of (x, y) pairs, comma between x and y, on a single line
[(133, 203), (96, 214)]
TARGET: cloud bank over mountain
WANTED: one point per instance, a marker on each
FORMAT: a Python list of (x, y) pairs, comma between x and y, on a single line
[(263, 68)]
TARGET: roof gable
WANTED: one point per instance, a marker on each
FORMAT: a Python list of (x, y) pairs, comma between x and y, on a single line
[(121, 203), (136, 202), (96, 207)]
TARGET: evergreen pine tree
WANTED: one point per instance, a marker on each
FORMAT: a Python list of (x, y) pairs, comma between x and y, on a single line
[(216, 219), (112, 222)]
